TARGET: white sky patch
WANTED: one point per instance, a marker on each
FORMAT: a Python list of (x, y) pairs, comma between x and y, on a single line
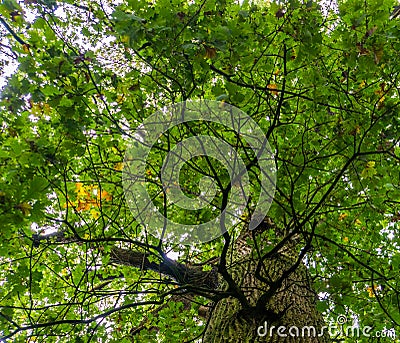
[(173, 255), (33, 118), (90, 133), (7, 71)]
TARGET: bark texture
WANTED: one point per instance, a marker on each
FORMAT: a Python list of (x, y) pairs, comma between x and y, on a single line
[(291, 304), (181, 273)]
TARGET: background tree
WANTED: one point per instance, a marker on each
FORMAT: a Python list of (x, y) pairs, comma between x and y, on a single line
[(323, 84)]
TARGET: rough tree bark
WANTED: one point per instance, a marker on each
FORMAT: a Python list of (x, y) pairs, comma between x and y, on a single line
[(270, 290), (282, 295)]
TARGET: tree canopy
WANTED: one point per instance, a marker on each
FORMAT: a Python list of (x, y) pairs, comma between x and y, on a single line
[(320, 81)]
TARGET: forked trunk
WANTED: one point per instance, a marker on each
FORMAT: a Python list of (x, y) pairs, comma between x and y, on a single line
[(289, 315)]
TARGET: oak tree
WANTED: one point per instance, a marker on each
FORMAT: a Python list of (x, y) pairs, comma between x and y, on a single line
[(320, 81)]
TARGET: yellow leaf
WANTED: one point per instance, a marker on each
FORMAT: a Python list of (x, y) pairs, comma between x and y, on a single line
[(25, 208), (343, 216), (119, 166), (371, 291), (82, 191), (83, 206), (93, 202), (124, 39), (345, 239), (25, 47), (95, 214), (120, 98), (36, 109), (369, 170), (381, 92), (358, 222), (272, 88), (79, 186), (105, 196), (46, 108), (370, 164)]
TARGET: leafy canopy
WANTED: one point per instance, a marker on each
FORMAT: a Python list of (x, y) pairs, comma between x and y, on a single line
[(321, 82)]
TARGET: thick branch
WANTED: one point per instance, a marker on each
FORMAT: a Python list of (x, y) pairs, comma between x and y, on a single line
[(181, 273), (9, 29)]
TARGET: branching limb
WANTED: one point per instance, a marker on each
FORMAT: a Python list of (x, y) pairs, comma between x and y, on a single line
[(10, 30)]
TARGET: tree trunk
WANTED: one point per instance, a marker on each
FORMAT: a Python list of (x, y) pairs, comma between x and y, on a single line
[(291, 305)]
